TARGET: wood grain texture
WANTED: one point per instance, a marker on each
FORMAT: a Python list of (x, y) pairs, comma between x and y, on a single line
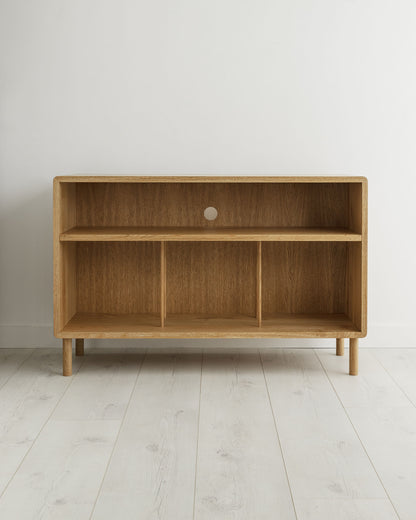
[(62, 474), (162, 283), (355, 284), (388, 434), (151, 474), (384, 418), (119, 278), (375, 387), (346, 509), (323, 454), (340, 347), (309, 326), (338, 439), (185, 234), (110, 265), (208, 179), (64, 267), (353, 356), (217, 278), (10, 361), (355, 205), (304, 278), (27, 399), (364, 256), (101, 325), (79, 347), (240, 470), (401, 365), (204, 326), (101, 391), (282, 205), (67, 357), (357, 256), (259, 286)]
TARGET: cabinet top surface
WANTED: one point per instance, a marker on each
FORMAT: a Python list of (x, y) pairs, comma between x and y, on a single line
[(202, 179)]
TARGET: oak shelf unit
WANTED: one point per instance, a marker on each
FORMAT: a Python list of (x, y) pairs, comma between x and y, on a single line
[(135, 257)]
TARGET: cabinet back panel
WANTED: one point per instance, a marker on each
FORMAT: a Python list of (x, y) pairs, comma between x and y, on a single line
[(183, 204), (307, 277), (118, 277), (212, 278)]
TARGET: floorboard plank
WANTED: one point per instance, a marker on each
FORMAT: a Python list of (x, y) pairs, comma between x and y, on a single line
[(386, 425), (140, 439), (240, 471), (389, 436), (373, 387), (102, 387), (61, 475), (401, 365), (346, 509), (152, 471), (27, 400), (324, 457), (10, 361)]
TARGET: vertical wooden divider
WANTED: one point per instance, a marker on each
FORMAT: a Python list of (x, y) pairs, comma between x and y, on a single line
[(166, 282), (258, 306), (162, 283)]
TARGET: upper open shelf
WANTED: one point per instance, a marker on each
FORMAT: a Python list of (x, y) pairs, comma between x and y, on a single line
[(271, 234), (213, 211)]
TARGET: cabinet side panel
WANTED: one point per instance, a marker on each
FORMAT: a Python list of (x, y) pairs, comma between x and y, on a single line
[(118, 277), (304, 278), (357, 256), (211, 278), (64, 291), (355, 207), (364, 261)]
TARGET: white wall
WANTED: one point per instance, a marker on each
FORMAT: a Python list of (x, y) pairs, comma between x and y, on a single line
[(206, 87)]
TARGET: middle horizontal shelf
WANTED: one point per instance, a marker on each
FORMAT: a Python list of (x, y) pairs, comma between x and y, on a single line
[(193, 234)]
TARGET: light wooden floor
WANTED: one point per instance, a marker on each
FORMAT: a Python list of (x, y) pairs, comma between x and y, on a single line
[(280, 434)]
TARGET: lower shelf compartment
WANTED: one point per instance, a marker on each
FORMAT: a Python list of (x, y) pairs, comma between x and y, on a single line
[(129, 326)]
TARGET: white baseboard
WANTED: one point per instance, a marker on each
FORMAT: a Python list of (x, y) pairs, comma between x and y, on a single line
[(32, 336)]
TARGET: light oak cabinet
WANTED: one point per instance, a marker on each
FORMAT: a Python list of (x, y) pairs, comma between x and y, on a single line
[(210, 257)]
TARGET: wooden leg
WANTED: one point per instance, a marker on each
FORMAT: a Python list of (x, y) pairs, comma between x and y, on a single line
[(340, 346), (79, 347), (353, 356), (67, 356)]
